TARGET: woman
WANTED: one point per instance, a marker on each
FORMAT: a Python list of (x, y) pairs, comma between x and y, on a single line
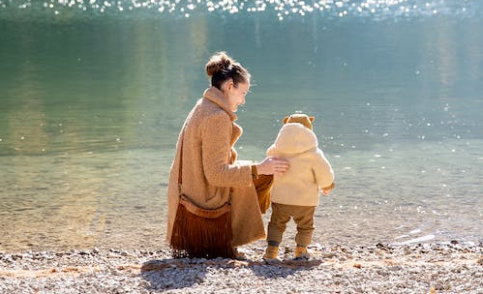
[(211, 176)]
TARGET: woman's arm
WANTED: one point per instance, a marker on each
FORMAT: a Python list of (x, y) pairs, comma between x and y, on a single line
[(216, 132)]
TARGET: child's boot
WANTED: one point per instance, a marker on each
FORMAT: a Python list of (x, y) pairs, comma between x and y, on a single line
[(271, 253), (301, 252)]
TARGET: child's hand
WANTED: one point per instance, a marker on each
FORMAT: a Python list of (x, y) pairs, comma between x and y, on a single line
[(327, 190)]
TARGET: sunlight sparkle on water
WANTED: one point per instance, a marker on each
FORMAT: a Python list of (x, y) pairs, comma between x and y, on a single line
[(376, 9)]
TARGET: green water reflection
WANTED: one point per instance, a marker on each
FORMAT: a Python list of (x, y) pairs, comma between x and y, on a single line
[(90, 109)]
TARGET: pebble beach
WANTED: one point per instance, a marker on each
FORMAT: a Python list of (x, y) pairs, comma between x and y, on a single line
[(380, 268)]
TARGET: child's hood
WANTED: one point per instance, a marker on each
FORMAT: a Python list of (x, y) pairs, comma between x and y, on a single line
[(293, 138)]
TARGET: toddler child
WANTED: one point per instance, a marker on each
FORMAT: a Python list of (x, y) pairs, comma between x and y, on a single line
[(295, 194)]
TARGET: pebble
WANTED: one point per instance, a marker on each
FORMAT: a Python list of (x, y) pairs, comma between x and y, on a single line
[(382, 268)]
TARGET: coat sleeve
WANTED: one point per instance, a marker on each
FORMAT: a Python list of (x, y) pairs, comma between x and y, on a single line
[(324, 174), (216, 132)]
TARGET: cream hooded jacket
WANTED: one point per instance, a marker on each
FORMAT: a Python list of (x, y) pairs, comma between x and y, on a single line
[(309, 170)]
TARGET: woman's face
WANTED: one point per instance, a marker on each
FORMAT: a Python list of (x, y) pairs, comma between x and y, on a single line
[(236, 94)]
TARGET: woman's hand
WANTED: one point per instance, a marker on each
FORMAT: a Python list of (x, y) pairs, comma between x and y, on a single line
[(272, 166)]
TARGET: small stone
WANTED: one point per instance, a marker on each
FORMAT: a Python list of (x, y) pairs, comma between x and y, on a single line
[(16, 256)]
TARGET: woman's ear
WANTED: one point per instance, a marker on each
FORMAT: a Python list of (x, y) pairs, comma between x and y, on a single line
[(228, 85)]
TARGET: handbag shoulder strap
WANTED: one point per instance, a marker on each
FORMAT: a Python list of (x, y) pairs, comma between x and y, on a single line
[(180, 169)]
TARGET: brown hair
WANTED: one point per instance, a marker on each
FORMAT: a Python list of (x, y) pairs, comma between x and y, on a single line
[(222, 67)]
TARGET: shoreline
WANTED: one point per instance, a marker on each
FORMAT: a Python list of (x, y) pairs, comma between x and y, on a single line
[(419, 268)]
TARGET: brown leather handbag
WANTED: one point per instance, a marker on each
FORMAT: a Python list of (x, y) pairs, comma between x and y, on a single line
[(199, 232), (263, 185)]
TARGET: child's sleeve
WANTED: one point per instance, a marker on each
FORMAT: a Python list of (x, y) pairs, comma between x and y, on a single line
[(324, 175)]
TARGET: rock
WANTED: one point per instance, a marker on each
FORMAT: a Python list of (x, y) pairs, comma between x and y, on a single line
[(380, 245)]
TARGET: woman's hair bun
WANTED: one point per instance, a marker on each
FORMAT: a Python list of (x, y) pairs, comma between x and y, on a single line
[(219, 62)]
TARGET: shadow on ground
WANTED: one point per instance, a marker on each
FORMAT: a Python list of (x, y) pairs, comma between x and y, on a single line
[(168, 274)]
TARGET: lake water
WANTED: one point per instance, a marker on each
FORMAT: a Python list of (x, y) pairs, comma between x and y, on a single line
[(93, 94)]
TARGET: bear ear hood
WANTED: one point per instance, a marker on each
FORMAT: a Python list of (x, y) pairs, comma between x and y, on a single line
[(301, 119), (293, 138)]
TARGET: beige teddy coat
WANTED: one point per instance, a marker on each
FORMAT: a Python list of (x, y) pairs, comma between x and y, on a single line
[(210, 170), (309, 170)]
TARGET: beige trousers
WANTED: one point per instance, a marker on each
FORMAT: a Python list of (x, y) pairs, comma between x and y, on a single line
[(303, 217)]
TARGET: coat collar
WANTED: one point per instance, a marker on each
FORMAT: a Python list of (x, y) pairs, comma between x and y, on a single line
[(216, 96)]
